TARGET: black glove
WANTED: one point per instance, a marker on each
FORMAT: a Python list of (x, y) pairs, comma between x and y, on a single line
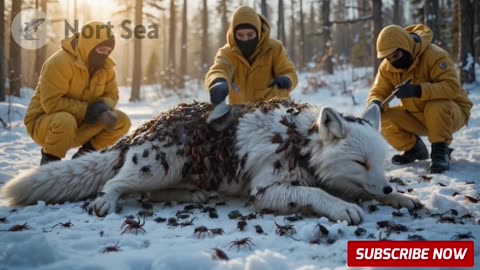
[(94, 111), (218, 92), (408, 91), (282, 82)]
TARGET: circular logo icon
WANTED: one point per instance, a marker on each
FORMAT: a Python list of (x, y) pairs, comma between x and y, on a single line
[(30, 29)]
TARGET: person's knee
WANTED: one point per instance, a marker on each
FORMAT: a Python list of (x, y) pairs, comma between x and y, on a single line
[(63, 122), (391, 114), (436, 108), (389, 120)]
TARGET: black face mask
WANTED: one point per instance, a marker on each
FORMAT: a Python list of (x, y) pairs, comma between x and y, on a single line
[(404, 62), (96, 61), (247, 47)]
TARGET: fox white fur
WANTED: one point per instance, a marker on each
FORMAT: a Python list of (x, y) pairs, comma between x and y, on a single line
[(345, 164)]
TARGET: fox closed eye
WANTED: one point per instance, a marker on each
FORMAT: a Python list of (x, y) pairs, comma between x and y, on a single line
[(365, 165)]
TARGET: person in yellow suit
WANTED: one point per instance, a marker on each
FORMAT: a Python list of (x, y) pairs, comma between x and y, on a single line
[(74, 101), (433, 102), (252, 66)]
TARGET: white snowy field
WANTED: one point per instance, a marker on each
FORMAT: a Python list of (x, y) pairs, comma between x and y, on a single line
[(49, 245)]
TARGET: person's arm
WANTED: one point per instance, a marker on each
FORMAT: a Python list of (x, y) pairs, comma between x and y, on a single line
[(222, 68), (381, 88), (54, 83), (282, 66), (444, 80), (110, 96)]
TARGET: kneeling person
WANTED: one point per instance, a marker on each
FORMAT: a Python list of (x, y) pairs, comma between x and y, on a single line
[(433, 104), (74, 101)]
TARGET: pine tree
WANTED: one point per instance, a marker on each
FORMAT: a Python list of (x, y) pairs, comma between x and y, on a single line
[(222, 9), (15, 60), (432, 19), (183, 51), (205, 48), (376, 28), (281, 23), (467, 52), (137, 56), (418, 11)]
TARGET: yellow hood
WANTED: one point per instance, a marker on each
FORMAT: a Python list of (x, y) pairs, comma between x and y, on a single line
[(245, 14), (394, 37), (92, 34)]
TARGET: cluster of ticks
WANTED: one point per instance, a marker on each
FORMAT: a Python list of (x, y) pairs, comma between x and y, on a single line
[(184, 218)]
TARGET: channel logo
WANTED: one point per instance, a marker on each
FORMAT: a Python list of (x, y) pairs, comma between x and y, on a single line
[(30, 29)]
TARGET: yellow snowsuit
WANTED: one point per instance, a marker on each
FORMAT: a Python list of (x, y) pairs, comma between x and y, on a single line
[(54, 118), (251, 83), (444, 106)]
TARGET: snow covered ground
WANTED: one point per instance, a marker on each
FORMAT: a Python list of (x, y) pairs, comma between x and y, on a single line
[(49, 245)]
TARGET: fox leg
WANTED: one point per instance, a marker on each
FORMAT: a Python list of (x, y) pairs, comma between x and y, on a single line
[(138, 174), (184, 195), (281, 196), (106, 200), (398, 200)]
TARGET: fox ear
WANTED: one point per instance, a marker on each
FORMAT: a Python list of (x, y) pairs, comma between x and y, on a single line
[(330, 125), (372, 114)]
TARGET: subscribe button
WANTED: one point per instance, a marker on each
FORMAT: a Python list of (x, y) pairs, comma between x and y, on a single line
[(410, 254)]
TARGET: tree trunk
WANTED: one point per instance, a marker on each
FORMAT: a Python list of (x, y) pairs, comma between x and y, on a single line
[(222, 9), (431, 19), (377, 25), (40, 54), (164, 57), (205, 46), (281, 23), (467, 54), (455, 29), (476, 28), (291, 47), (137, 56), (15, 60), (398, 12), (310, 38), (172, 67), (183, 54), (327, 58), (263, 8), (2, 50), (302, 38)]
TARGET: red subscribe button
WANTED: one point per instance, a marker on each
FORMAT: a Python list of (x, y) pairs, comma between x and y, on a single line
[(410, 254)]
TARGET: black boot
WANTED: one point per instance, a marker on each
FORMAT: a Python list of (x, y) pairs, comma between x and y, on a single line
[(440, 157), (47, 158), (417, 152), (85, 149)]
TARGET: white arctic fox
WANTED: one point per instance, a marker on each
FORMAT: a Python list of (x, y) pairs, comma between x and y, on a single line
[(278, 155)]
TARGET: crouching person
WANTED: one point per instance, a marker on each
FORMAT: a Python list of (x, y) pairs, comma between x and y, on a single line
[(74, 101), (433, 103)]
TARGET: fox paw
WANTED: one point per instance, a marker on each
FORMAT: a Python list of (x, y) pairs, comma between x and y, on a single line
[(200, 196), (352, 213), (196, 196), (103, 205), (398, 200)]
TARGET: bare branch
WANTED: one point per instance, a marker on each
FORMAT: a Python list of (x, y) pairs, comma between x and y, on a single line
[(356, 7), (5, 126), (357, 20), (155, 5)]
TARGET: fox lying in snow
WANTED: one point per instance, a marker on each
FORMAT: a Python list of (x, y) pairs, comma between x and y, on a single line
[(278, 155)]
